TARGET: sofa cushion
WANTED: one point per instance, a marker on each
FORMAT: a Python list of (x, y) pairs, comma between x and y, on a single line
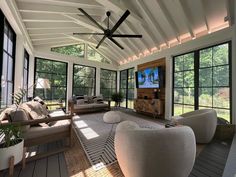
[(59, 126), (99, 105), (83, 106)]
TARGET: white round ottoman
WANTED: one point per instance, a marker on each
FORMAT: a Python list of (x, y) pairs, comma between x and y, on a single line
[(111, 117)]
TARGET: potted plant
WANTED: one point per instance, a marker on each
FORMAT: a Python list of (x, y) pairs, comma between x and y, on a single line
[(117, 98), (11, 144)]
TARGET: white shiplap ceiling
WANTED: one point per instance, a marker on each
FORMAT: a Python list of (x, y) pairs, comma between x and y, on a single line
[(163, 23)]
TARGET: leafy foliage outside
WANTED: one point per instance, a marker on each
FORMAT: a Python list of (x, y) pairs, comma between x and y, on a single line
[(56, 73), (214, 89), (84, 80), (107, 83), (73, 50)]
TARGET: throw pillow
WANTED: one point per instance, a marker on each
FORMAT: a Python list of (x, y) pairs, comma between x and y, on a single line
[(36, 111), (80, 101), (38, 99), (98, 100), (90, 100)]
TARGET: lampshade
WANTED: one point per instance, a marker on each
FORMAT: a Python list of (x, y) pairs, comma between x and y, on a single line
[(43, 83)]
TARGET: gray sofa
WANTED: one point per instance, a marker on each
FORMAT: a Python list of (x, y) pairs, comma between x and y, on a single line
[(86, 104)]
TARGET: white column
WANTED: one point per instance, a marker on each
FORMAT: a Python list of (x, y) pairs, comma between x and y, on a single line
[(98, 72), (69, 80), (118, 81), (31, 76), (19, 61), (168, 88)]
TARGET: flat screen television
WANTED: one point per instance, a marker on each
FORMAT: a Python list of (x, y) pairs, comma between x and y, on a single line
[(149, 78)]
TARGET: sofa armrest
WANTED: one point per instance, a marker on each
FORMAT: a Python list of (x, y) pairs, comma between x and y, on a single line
[(35, 122)]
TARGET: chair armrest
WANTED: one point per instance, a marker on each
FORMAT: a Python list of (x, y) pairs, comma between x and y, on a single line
[(44, 120)]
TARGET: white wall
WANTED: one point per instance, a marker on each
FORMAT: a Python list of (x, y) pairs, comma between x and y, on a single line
[(22, 40), (224, 35)]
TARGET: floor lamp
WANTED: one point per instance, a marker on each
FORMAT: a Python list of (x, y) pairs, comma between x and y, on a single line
[(43, 84)]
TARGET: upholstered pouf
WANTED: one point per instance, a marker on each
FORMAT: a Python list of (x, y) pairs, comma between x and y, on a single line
[(111, 117)]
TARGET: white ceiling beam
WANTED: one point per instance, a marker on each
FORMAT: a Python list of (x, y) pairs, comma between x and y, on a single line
[(135, 31), (153, 41), (48, 25), (38, 32), (169, 19), (48, 38), (25, 7), (117, 7), (152, 20), (52, 18), (83, 21), (185, 16), (230, 11), (70, 3), (52, 41), (203, 12)]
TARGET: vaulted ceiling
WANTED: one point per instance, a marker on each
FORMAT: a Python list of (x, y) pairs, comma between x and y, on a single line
[(163, 23)]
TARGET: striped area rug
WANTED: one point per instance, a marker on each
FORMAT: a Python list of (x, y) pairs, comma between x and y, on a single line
[(97, 137)]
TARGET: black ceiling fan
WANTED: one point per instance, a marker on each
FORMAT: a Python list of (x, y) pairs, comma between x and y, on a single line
[(109, 33)]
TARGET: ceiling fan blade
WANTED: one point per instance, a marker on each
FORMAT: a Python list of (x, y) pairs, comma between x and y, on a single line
[(104, 37), (114, 41), (122, 18), (127, 35), (88, 33), (90, 18)]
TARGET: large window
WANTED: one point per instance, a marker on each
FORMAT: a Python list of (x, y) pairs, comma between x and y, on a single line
[(95, 56), (50, 80), (26, 74), (7, 60), (108, 81), (127, 87), (184, 83), (84, 80), (76, 50), (202, 79)]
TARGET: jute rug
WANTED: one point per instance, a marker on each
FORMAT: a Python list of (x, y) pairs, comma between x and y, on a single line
[(97, 137)]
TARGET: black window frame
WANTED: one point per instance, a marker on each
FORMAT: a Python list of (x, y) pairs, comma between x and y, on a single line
[(126, 96), (95, 73), (197, 76), (108, 80), (4, 22), (35, 70), (26, 58)]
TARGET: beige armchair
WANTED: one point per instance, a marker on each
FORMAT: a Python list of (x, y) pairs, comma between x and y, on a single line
[(164, 152), (203, 122)]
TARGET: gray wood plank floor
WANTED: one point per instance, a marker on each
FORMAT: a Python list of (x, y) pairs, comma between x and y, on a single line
[(51, 166), (211, 161)]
